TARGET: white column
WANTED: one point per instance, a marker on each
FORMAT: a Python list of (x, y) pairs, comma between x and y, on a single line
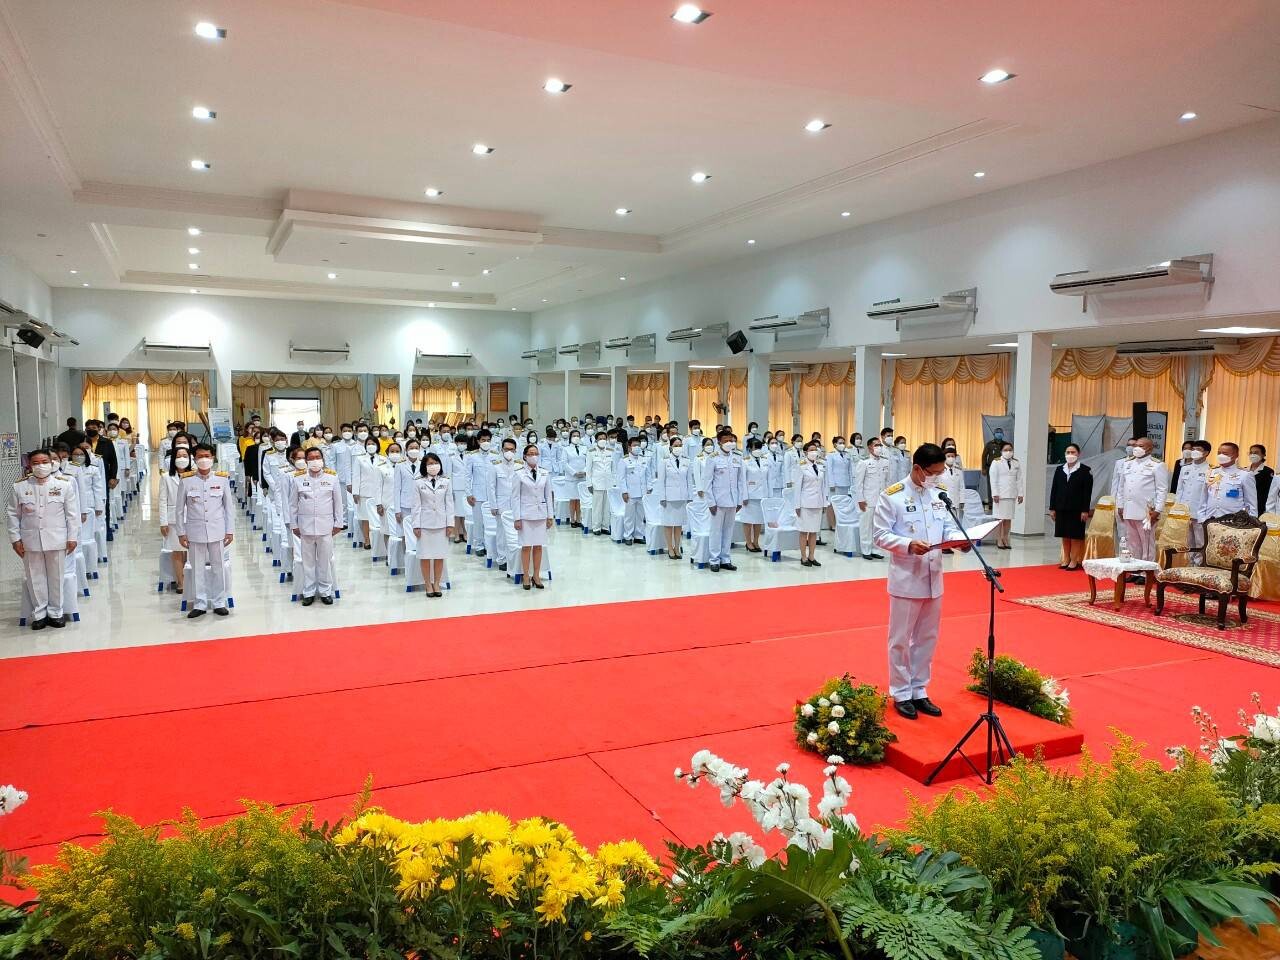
[(618, 394), (678, 391), (757, 392), (27, 382), (1031, 425), (868, 398), (406, 393)]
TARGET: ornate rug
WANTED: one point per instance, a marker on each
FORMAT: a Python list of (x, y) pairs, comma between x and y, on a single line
[(1257, 641)]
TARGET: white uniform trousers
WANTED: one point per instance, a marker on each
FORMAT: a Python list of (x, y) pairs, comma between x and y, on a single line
[(913, 635), (866, 530), (211, 584), (721, 538), (600, 518), (633, 520), (317, 565), (1141, 540), (500, 541), (478, 512), (45, 570)]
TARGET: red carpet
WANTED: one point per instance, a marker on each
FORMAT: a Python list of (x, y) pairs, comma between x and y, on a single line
[(580, 713)]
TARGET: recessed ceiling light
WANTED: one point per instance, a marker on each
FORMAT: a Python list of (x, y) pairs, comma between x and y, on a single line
[(690, 13), (750, 243), (204, 113), (544, 299), (1189, 115), (199, 165), (434, 192), (622, 211), (700, 177), (706, 366), (513, 309), (845, 213), (194, 290), (193, 231), (431, 304), (979, 174), (456, 283), (193, 266), (556, 85), (75, 271), (194, 251), (1014, 344), (891, 355), (1241, 331), (84, 284), (333, 276), (816, 126), (485, 271), (481, 149), (210, 31), (622, 278), (997, 75)]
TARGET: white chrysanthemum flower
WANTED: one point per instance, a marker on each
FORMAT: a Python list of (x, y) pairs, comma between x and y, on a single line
[(837, 711), (679, 774), (11, 798), (835, 759), (1222, 753), (835, 697), (824, 702), (829, 770), (807, 710), (829, 805), (1265, 728), (812, 738), (833, 727), (783, 767)]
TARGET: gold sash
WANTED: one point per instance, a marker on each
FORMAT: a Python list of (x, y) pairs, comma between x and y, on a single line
[(1265, 583), (1100, 534)]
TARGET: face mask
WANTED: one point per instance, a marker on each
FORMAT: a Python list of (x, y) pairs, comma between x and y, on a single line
[(433, 469), (1000, 437), (840, 447), (1197, 455), (1072, 457), (172, 434), (644, 444), (1225, 458), (299, 464), (462, 448), (300, 428), (697, 431), (635, 451), (42, 470), (362, 435), (951, 460), (411, 433), (508, 455), (706, 451), (532, 459), (446, 437), (280, 444), (346, 434), (575, 439), (811, 455), (385, 433), (1130, 450), (78, 461), (857, 443), (875, 450), (395, 457), (1006, 454), (113, 433), (328, 437), (531, 438), (371, 448), (902, 446), (315, 466), (930, 481), (773, 447), (1255, 458), (485, 444), (414, 455), (677, 451), (204, 463), (727, 446), (798, 444), (602, 443), (1139, 452)]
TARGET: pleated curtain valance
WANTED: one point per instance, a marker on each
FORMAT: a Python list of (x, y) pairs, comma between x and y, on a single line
[(780, 380), (1098, 363), (296, 381), (111, 378), (705, 379), (1255, 354), (824, 374), (441, 383), (975, 368), (647, 381), (738, 378)]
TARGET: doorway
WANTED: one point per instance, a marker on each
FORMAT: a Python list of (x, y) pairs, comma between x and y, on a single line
[(285, 412)]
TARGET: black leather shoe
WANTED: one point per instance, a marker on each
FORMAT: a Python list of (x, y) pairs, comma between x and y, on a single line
[(481, 552), (193, 613), (221, 611), (327, 601), (527, 585), (714, 568), (40, 624), (308, 601), (906, 708), (927, 707), (804, 563), (58, 622), (502, 567), (814, 563), (877, 556), (821, 542), (728, 566)]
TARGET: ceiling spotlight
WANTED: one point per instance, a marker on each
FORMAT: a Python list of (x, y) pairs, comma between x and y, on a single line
[(997, 76), (622, 278), (891, 355), (75, 271), (622, 211), (333, 276), (434, 192), (485, 271), (84, 284), (846, 213), (199, 165), (204, 113), (700, 177), (1241, 331), (816, 126), (1189, 115), (193, 266), (481, 150), (979, 174), (193, 231), (194, 251), (750, 243), (210, 31), (193, 290), (544, 299), (456, 283), (690, 13), (513, 309), (555, 85)]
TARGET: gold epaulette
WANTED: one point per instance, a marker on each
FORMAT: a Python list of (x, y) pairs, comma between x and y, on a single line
[(894, 488), (332, 473), (300, 473), (188, 473), (221, 473)]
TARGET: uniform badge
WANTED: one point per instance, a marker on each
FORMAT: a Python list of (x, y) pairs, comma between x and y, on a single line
[(911, 508)]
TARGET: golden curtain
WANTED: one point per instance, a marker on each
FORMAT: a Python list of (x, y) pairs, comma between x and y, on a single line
[(648, 394), (780, 403), (1095, 381), (167, 397), (339, 395), (447, 395), (737, 400), (386, 391), (826, 400), (1243, 391), (940, 397), (704, 393)]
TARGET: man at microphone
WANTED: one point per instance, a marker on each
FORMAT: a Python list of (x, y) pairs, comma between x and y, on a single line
[(913, 524)]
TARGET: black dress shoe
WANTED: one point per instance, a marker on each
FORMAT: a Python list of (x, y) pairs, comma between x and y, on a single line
[(906, 708), (714, 568), (877, 556), (927, 707), (194, 612), (327, 601), (58, 622), (480, 552), (308, 601), (40, 624), (502, 567), (728, 566), (538, 585), (221, 611), (627, 542), (814, 563), (368, 546), (527, 585), (804, 563)]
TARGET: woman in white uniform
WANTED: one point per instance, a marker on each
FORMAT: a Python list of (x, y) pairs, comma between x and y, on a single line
[(811, 497), (179, 462), (532, 511), (675, 485), (1008, 487), (391, 527), (758, 466), (949, 449), (460, 481), (432, 520), (575, 471), (366, 487)]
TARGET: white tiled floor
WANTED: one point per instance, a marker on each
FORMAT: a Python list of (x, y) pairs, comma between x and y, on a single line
[(125, 609)]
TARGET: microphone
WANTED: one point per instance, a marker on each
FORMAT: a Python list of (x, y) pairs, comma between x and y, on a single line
[(942, 495)]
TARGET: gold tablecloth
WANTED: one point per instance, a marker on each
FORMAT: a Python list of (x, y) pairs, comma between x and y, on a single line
[(1100, 534), (1171, 533), (1266, 575)]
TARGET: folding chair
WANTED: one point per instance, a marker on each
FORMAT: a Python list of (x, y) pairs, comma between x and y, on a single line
[(560, 499), (492, 527), (70, 601), (654, 534), (617, 515), (164, 571), (584, 506), (848, 532), (780, 531), (188, 582), (699, 518)]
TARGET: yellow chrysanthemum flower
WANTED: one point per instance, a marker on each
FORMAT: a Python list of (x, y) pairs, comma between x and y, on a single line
[(533, 834), (417, 878)]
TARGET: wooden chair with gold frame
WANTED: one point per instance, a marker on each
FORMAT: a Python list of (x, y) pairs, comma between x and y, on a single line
[(1228, 557)]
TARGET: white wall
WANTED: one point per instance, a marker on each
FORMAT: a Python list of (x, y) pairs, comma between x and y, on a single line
[(21, 288), (1218, 194), (250, 334)]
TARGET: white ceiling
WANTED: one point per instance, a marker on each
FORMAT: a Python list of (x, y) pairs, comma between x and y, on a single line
[(374, 100)]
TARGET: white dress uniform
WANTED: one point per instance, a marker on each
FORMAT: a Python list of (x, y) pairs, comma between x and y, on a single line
[(951, 482), (481, 463), (675, 484), (811, 495), (45, 516), (459, 473), (366, 485), (1228, 490), (531, 504), (1008, 482), (756, 472), (869, 481), (1192, 488), (574, 460), (317, 505), (777, 480), (906, 512), (169, 484), (840, 466), (204, 516), (432, 514), (1143, 484), (633, 479), (601, 479), (724, 484), (499, 499), (1273, 498)]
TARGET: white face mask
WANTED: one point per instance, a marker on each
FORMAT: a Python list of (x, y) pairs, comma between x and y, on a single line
[(857, 443), (532, 459), (635, 451), (362, 435), (328, 437), (697, 431), (1225, 458), (930, 481), (773, 448), (508, 455), (42, 470), (951, 460), (371, 448), (485, 444), (315, 466), (204, 463), (433, 469), (706, 450), (299, 464), (395, 457), (280, 444), (172, 434), (840, 446), (446, 437), (1197, 455), (728, 446), (462, 448), (602, 444), (1006, 454), (346, 434), (677, 451), (1072, 457), (575, 440), (875, 450), (113, 433), (1129, 450), (902, 446), (414, 455), (1255, 458), (1139, 452), (811, 455), (78, 461)]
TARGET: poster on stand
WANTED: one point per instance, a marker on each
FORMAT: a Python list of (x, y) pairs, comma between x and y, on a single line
[(220, 424)]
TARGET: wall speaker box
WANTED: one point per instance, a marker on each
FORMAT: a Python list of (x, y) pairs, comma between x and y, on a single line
[(33, 339), (1139, 419), (736, 341)]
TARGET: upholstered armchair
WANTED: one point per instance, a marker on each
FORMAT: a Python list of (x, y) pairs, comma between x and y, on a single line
[(1227, 560)]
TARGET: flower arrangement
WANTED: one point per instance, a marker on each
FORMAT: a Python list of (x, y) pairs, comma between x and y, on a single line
[(1247, 763), (1022, 687), (845, 718)]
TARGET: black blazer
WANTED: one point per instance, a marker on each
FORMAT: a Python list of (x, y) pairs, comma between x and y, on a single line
[(1263, 476), (1177, 472), (251, 462), (1072, 495)]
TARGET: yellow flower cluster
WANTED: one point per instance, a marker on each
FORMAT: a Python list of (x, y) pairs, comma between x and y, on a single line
[(536, 862)]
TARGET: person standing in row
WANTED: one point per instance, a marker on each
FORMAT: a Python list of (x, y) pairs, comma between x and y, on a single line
[(870, 480), (675, 484), (505, 469), (633, 479), (724, 484), (481, 462), (1008, 488), (756, 469), (1193, 477), (44, 520), (1070, 503), (532, 511), (1263, 475), (366, 488), (1141, 488), (600, 480), (1228, 487), (811, 494), (432, 520), (170, 481), (204, 521), (317, 505)]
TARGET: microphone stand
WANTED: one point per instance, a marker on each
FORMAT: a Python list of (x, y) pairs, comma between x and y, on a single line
[(997, 740)]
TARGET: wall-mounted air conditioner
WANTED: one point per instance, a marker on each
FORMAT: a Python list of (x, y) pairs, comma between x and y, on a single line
[(149, 346), (694, 333), (589, 353), (453, 359), (949, 315), (789, 368), (1167, 273), (809, 320), (569, 350), (647, 341), (320, 353), (1184, 348), (544, 353)]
